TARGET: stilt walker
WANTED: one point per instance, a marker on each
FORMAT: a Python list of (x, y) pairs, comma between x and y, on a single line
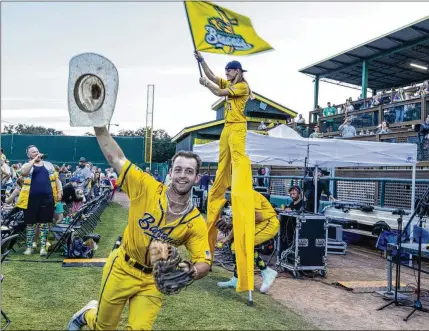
[(234, 168), (216, 29)]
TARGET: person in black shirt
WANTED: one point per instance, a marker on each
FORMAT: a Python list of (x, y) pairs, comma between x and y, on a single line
[(69, 190), (309, 189), (296, 204)]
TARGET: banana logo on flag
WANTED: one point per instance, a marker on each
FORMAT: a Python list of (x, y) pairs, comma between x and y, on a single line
[(215, 29), (220, 33)]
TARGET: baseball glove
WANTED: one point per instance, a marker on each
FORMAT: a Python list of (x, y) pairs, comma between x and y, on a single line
[(170, 272)]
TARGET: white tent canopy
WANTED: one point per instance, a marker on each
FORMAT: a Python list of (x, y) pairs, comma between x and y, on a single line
[(283, 147)]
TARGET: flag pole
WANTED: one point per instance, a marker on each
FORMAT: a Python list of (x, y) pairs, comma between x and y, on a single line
[(192, 36)]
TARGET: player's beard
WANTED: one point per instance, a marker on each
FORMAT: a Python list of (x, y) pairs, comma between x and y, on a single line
[(181, 189)]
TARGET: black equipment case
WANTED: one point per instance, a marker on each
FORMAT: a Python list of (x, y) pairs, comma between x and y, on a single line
[(302, 243)]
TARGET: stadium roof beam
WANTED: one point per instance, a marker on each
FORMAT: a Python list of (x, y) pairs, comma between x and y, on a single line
[(384, 62)]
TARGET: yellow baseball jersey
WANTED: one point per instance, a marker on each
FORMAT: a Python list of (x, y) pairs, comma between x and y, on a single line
[(147, 219), (235, 104), (263, 206)]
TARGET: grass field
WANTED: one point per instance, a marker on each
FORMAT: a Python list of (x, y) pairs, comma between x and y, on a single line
[(43, 296)]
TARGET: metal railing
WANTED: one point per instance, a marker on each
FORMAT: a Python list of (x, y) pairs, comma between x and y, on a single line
[(382, 192)]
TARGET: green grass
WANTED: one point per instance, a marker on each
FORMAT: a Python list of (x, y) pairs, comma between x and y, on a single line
[(43, 296)]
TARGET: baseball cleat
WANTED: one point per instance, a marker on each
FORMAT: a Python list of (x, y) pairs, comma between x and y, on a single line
[(268, 276), (230, 283), (78, 319)]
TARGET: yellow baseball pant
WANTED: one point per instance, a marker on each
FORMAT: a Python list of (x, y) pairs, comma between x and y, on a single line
[(122, 282), (264, 231), (234, 169)]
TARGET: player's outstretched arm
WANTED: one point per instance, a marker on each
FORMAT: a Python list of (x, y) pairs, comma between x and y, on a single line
[(110, 149), (207, 71)]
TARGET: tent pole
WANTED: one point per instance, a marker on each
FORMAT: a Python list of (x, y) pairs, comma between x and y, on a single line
[(316, 201), (413, 189)]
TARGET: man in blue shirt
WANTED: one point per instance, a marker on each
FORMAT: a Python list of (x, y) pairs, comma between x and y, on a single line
[(85, 176)]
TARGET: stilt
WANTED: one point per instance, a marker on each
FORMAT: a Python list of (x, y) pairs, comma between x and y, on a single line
[(250, 301)]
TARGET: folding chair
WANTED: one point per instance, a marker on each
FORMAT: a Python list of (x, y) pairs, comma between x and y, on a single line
[(6, 246), (66, 231)]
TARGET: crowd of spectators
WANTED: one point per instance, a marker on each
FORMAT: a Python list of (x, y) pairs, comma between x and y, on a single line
[(395, 114), (49, 193)]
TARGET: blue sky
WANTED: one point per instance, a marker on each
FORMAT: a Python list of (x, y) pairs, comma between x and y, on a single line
[(150, 43)]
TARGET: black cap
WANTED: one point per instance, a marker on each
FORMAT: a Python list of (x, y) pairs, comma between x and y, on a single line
[(235, 65)]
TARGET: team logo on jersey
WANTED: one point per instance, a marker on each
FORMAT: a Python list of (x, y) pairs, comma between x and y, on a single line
[(220, 33), (208, 255), (153, 231)]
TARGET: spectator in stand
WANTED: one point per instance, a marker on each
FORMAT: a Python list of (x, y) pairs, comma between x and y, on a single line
[(167, 180), (349, 107), (12, 198), (300, 124), (347, 130), (267, 177), (69, 190), (95, 185), (6, 178), (376, 100), (425, 88), (329, 111), (399, 110), (205, 181), (262, 126), (85, 175), (80, 201), (157, 176), (316, 133), (148, 171), (62, 174), (105, 184), (261, 172), (115, 187), (40, 192), (383, 128)]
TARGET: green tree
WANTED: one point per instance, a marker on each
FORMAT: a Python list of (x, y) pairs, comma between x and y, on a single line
[(162, 147), (31, 129)]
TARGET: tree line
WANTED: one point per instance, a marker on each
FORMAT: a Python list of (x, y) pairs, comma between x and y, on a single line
[(162, 147)]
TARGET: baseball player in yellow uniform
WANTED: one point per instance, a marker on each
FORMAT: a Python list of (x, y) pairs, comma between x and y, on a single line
[(234, 168), (266, 227), (156, 212)]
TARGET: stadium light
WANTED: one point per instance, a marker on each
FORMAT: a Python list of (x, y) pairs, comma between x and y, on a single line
[(418, 66)]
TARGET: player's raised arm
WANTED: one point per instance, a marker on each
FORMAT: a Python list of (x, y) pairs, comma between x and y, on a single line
[(110, 149), (207, 71)]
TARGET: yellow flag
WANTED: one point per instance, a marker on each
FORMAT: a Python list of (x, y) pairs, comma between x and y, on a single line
[(219, 30)]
